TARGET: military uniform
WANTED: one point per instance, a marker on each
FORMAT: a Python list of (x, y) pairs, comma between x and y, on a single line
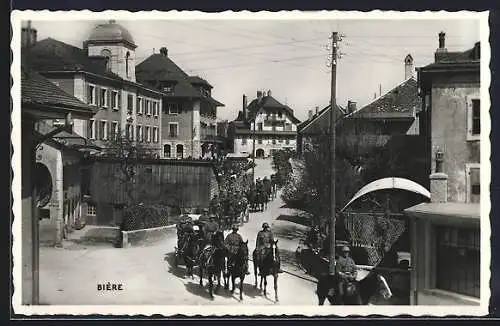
[(204, 218), (264, 239), (209, 230), (345, 269), (184, 226), (233, 242)]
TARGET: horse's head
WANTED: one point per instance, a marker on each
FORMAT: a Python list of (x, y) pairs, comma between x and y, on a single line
[(243, 250)]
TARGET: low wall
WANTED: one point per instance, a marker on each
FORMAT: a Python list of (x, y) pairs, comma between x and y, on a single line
[(146, 236)]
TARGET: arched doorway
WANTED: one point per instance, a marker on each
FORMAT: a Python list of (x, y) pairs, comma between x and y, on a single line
[(43, 184), (180, 151), (259, 153), (167, 151)]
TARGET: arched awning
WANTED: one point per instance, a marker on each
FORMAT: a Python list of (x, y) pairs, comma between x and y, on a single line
[(390, 183)]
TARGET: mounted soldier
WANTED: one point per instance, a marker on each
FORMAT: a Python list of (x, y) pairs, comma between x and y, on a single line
[(184, 226), (204, 218), (346, 271), (264, 240), (210, 228), (232, 243)]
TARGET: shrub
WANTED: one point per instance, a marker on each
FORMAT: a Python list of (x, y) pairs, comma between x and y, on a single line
[(145, 216)]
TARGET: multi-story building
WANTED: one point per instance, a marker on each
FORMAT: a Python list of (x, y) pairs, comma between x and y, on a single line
[(102, 74), (189, 113), (445, 233), (264, 126)]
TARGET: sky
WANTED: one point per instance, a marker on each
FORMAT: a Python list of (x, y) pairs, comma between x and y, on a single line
[(288, 57)]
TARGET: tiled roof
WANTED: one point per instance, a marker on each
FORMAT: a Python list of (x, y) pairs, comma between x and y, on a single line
[(401, 100), (36, 89), (320, 121), (53, 55), (159, 67), (268, 103)]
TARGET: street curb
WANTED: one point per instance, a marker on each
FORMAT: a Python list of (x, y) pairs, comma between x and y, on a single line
[(137, 238)]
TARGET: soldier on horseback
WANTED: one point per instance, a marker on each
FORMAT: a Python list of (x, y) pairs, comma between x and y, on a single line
[(232, 243), (184, 227), (264, 241), (345, 269), (204, 217), (210, 228)]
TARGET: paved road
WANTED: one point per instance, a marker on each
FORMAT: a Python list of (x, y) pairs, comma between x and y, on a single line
[(70, 275)]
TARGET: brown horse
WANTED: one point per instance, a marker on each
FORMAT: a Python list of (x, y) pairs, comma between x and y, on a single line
[(212, 262), (267, 263), (235, 267)]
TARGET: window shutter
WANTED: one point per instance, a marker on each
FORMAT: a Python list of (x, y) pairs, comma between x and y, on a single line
[(137, 109), (119, 104), (89, 129), (88, 94), (108, 94), (98, 96)]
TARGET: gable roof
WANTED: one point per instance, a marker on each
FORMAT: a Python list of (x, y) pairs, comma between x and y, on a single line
[(159, 67), (400, 102), (267, 103), (320, 120), (39, 91)]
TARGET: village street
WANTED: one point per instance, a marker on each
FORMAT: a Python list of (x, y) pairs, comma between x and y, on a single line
[(70, 275)]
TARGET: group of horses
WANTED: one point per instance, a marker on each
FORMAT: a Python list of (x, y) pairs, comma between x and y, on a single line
[(261, 194), (216, 263)]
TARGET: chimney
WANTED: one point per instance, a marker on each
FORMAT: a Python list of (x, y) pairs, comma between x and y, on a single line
[(439, 181), (351, 106), (164, 51), (442, 47), (269, 93), (310, 114), (316, 110), (28, 35), (408, 66), (259, 96), (476, 53), (245, 114)]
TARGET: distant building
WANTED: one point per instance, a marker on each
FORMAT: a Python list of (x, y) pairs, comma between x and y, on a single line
[(101, 74), (445, 233), (271, 124), (189, 113)]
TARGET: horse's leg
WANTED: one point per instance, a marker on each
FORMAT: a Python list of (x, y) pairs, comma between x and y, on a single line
[(242, 278), (211, 285), (276, 287), (233, 281), (200, 269), (321, 299), (265, 285), (255, 271)]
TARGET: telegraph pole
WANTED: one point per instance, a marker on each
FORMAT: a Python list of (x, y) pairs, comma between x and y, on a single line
[(333, 101)]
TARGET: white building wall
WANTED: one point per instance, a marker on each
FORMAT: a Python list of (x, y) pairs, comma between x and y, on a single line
[(118, 58)]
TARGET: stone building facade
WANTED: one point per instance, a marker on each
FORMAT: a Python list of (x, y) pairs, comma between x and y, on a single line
[(446, 232)]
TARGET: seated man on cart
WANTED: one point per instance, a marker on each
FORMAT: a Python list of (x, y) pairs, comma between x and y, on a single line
[(184, 226)]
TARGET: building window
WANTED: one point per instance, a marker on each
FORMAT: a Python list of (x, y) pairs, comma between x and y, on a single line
[(259, 141), (148, 106), (280, 114), (91, 132), (130, 103), (147, 130), (114, 129), (92, 96), (104, 97), (259, 126), (167, 151), (155, 108), (139, 133), (244, 141), (114, 100), (180, 151), (130, 131), (273, 141), (280, 141), (472, 171), (458, 260), (173, 108), (103, 130), (91, 210), (173, 129), (140, 100), (287, 141), (473, 119), (155, 135), (127, 70), (288, 127)]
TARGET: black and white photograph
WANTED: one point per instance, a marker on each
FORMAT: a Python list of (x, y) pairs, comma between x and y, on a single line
[(239, 163)]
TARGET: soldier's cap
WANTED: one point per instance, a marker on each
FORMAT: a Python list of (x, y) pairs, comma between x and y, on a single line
[(345, 249), (265, 225), (235, 227)]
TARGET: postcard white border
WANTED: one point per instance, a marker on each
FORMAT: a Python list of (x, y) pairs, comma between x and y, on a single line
[(482, 309)]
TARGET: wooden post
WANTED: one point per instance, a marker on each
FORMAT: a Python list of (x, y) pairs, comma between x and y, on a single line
[(331, 267)]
